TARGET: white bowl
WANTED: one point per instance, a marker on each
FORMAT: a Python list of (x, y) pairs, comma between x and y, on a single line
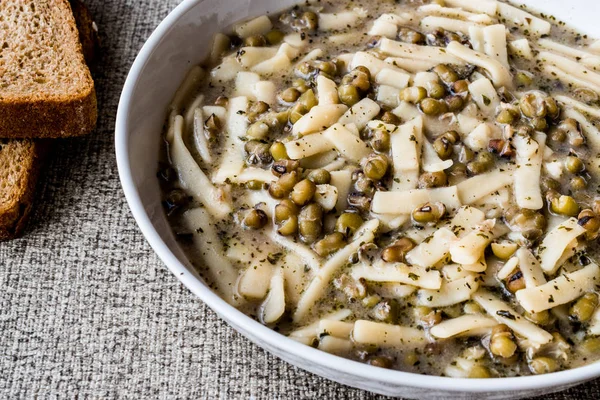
[(182, 40)]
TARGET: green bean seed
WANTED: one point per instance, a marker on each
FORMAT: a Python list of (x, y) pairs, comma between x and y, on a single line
[(446, 73), (308, 99), (431, 106), (577, 183), (328, 67), (319, 176), (433, 180), (255, 219), (539, 124), (380, 141), (397, 251), (454, 103), (258, 152), (533, 105), (501, 342), (479, 372), (284, 185), (289, 226), (574, 164), (565, 205), (310, 222), (255, 185), (285, 210), (583, 309), (429, 212), (348, 95), (410, 36), (290, 95), (390, 118), (348, 223), (461, 86), (255, 41), (506, 116), (303, 192), (375, 166), (310, 20), (274, 37), (330, 244), (589, 347), (278, 151), (360, 77), (258, 130), (436, 91), (297, 111), (543, 365), (413, 94)]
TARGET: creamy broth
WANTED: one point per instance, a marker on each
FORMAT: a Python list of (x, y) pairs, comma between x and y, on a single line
[(408, 184)]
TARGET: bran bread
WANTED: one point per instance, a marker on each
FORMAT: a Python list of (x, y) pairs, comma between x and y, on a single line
[(46, 89)]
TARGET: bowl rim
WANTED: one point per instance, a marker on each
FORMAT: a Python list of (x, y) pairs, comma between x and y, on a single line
[(245, 323)]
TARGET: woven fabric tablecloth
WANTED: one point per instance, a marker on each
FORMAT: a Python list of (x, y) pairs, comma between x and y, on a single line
[(88, 310)]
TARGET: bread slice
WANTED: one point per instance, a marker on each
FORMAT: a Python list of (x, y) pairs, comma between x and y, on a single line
[(46, 89), (20, 161)]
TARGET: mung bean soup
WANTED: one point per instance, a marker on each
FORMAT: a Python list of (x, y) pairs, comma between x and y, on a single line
[(408, 184)]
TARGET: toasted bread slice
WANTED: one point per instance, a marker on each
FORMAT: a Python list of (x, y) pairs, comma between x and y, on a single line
[(21, 159), (46, 89), (20, 162)]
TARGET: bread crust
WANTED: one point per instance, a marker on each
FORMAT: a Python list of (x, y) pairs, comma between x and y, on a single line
[(49, 118), (36, 116), (14, 215)]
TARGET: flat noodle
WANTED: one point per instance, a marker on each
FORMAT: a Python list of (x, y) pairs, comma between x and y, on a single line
[(386, 335), (464, 323), (429, 252), (335, 328), (504, 314), (522, 19), (193, 179), (405, 202), (555, 242), (454, 25), (312, 329), (571, 67), (274, 305), (530, 268), (254, 281), (316, 287), (417, 52), (223, 275), (199, 137), (528, 193), (449, 294), (399, 273), (348, 145), (587, 59), (500, 75), (318, 118), (481, 6), (561, 290), (477, 187), (406, 142)]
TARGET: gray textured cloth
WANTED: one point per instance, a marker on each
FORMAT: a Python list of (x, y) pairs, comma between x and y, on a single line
[(87, 309)]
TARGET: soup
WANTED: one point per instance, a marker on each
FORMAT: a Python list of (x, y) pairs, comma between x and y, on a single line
[(410, 185)]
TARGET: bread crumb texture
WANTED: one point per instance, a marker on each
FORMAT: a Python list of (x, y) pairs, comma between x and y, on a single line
[(18, 173), (40, 54)]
